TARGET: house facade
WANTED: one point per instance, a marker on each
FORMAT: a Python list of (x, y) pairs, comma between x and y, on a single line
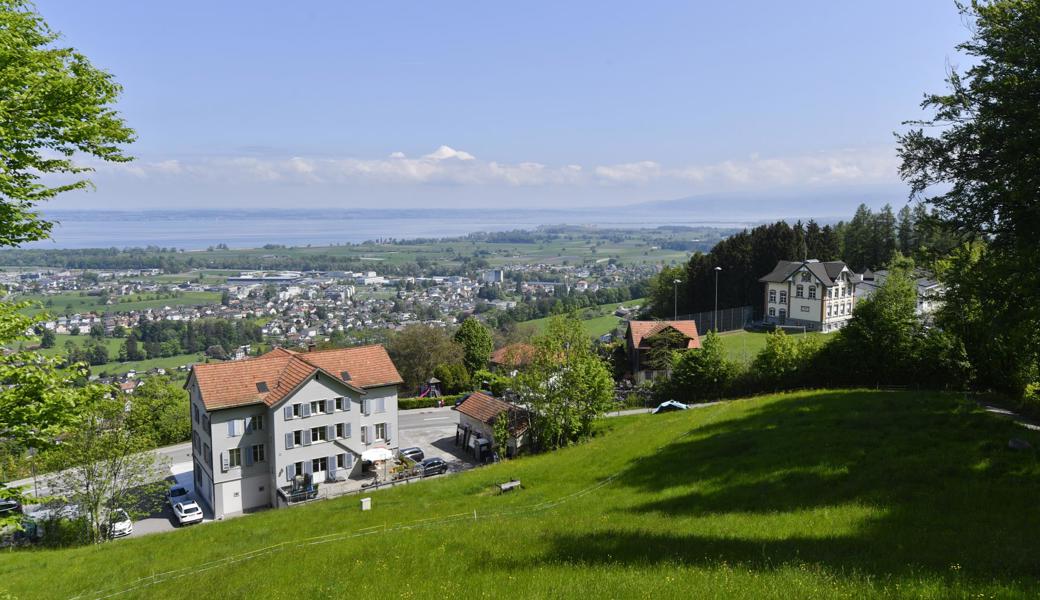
[(262, 426), (639, 341), (476, 428), (812, 294)]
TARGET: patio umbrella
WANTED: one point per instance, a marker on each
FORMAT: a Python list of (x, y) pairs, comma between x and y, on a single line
[(377, 454)]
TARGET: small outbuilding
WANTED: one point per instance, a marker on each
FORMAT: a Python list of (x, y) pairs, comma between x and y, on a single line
[(478, 413)]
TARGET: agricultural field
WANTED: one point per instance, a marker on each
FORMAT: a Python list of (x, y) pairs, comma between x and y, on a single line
[(113, 367), (70, 303), (852, 494), (597, 320)]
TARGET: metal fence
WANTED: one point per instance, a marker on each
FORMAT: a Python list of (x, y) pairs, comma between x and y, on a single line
[(730, 319)]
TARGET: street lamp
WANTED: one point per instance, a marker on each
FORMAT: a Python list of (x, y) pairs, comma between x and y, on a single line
[(715, 318), (675, 299)]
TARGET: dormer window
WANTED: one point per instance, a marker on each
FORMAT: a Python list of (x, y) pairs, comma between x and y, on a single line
[(261, 386)]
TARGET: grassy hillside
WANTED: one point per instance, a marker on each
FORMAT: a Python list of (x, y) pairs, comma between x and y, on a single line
[(596, 320), (809, 495), (70, 303), (742, 346)]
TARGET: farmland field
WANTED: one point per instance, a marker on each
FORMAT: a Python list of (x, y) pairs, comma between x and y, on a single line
[(70, 303), (597, 320), (853, 494)]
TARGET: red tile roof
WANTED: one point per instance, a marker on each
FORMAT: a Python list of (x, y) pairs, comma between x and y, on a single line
[(486, 409), (513, 355), (641, 330), (228, 384)]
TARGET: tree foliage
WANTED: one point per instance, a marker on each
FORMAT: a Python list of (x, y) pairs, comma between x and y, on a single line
[(477, 344), (418, 349), (699, 374), (55, 104), (566, 386)]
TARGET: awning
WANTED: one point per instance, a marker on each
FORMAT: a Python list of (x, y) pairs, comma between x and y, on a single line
[(377, 454)]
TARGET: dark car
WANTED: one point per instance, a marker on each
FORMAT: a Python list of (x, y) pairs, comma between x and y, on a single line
[(433, 466), (413, 454), (9, 507)]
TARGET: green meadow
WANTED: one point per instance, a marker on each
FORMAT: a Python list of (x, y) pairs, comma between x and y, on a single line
[(827, 494), (70, 303)]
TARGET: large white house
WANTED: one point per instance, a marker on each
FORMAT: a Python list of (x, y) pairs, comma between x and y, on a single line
[(812, 294), (263, 426)]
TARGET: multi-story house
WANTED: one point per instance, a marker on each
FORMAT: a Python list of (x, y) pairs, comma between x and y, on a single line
[(812, 294), (258, 424)]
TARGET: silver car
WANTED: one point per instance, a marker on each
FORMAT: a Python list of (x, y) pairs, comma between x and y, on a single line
[(120, 524)]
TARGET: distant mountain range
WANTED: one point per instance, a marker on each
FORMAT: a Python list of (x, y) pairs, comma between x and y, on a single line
[(825, 206)]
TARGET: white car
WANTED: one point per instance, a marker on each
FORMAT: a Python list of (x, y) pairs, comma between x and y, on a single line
[(187, 512), (120, 524)]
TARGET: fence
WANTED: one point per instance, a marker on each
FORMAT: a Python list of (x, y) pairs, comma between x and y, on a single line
[(730, 319)]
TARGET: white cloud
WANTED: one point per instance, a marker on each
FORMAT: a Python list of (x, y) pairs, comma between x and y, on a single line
[(449, 166)]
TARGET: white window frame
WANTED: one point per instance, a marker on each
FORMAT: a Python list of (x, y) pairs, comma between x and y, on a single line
[(318, 434), (317, 407), (376, 431), (258, 453), (296, 411), (772, 295), (316, 463), (234, 458), (799, 291)]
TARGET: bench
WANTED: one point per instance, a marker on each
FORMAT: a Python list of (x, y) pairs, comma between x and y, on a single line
[(509, 485)]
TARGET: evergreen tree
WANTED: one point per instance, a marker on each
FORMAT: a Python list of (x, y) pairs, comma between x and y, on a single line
[(905, 232)]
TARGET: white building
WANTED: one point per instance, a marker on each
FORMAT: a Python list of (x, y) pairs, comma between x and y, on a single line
[(263, 427), (812, 294)]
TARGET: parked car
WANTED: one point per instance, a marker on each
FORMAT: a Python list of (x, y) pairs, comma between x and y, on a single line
[(413, 454), (187, 512), (177, 494), (120, 524), (433, 466)]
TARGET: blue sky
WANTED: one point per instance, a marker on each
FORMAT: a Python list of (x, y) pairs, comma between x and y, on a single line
[(453, 104)]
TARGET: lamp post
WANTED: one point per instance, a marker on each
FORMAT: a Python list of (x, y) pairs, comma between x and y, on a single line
[(675, 299), (715, 318)]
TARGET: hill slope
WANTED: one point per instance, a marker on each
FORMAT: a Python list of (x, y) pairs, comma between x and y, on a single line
[(810, 495)]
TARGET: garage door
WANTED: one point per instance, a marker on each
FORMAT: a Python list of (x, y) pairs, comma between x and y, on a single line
[(232, 491), (255, 492)]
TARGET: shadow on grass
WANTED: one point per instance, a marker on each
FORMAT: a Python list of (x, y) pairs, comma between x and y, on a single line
[(946, 496)]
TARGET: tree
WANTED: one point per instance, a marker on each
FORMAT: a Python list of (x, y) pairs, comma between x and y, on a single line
[(477, 344), (97, 331), (47, 338), (101, 464), (975, 159), (785, 359), (454, 378), (905, 232), (163, 411), (55, 104), (699, 373), (417, 350), (566, 386)]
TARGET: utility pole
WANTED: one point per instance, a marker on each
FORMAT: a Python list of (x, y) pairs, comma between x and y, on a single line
[(675, 299), (715, 318)]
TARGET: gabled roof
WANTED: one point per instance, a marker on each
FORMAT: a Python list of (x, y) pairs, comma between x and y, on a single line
[(486, 409), (513, 355), (269, 378), (826, 272), (639, 331)]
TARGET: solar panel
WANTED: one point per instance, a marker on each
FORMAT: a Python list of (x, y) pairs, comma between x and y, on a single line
[(261, 386)]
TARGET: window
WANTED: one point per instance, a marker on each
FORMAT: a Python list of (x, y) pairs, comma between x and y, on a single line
[(317, 434), (258, 453), (195, 413), (205, 422), (812, 291), (380, 405), (799, 291), (339, 404), (829, 307), (320, 464), (298, 468), (318, 407), (258, 423), (772, 295), (340, 430), (206, 453), (296, 410), (783, 297), (235, 457), (297, 437), (783, 313), (772, 311), (364, 435), (380, 431), (341, 461)]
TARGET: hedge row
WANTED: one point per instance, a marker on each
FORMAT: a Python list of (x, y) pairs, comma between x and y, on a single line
[(412, 403)]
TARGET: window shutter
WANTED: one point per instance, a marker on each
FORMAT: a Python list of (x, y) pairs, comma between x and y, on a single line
[(248, 424), (364, 434), (371, 433), (306, 437), (346, 429), (365, 408), (348, 460), (306, 409), (308, 467), (288, 441), (330, 432), (346, 403), (389, 432), (330, 405), (224, 461), (382, 405), (287, 412), (249, 455), (332, 466), (290, 472), (231, 428)]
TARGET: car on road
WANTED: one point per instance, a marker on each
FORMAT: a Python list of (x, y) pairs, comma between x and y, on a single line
[(433, 466), (187, 512), (414, 454), (120, 524), (177, 494)]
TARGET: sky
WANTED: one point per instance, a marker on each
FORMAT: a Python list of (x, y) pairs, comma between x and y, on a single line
[(264, 104)]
